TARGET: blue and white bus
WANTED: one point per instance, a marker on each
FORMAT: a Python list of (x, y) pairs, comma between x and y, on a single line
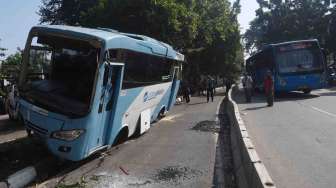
[(83, 90), (296, 66)]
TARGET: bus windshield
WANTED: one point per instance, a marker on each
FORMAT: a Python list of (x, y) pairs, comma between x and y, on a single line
[(299, 60), (60, 74)]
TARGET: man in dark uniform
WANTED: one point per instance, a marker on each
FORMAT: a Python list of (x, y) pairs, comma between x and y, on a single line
[(210, 89)]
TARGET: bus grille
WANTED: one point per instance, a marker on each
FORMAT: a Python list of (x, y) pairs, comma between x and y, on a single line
[(37, 129)]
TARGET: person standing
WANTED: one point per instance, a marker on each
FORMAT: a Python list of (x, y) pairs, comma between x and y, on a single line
[(269, 88), (186, 91), (210, 89), (247, 84), (228, 84)]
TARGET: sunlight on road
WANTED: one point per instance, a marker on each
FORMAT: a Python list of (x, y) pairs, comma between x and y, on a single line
[(171, 118)]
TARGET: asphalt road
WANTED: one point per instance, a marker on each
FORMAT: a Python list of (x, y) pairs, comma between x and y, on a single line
[(295, 138), (17, 151), (10, 130), (171, 154)]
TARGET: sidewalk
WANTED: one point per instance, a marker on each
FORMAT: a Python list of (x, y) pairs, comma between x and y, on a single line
[(178, 151)]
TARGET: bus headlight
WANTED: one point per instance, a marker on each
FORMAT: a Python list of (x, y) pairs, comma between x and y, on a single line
[(68, 135)]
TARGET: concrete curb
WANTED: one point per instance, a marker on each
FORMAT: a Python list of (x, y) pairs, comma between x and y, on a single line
[(221, 100), (219, 180), (27, 175), (20, 178), (249, 169)]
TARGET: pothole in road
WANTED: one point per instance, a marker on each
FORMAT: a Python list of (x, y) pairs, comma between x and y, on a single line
[(175, 174), (207, 126)]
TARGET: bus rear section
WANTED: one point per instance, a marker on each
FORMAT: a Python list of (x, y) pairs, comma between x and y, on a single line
[(295, 66), (300, 66)]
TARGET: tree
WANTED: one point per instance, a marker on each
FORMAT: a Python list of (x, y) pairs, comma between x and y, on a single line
[(162, 19), (206, 31), (10, 67), (279, 21), (2, 51)]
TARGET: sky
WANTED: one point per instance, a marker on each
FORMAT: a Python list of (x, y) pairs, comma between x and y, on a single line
[(18, 16), (16, 19), (248, 8)]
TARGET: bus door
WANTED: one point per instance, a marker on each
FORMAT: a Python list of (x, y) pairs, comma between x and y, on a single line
[(112, 81), (174, 88)]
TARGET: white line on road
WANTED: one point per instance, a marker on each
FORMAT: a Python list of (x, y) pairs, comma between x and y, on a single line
[(325, 112), (320, 110)]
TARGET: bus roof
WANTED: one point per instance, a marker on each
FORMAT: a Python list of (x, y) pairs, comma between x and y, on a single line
[(280, 44), (293, 42), (115, 39)]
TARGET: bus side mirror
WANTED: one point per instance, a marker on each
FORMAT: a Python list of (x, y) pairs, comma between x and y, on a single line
[(106, 74)]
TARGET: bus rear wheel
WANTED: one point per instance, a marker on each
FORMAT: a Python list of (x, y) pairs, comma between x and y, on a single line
[(306, 91), (161, 114), (122, 136)]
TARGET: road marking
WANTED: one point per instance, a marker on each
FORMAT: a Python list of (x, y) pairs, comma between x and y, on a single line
[(319, 110), (325, 112)]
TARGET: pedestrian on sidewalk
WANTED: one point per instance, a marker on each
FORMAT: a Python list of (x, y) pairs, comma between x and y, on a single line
[(210, 88), (228, 84), (204, 86), (247, 84), (269, 88), (186, 91)]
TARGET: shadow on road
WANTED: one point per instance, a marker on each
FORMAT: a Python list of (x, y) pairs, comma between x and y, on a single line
[(8, 126), (191, 104), (331, 88), (255, 108), (258, 97), (18, 154), (327, 94), (293, 96), (224, 175), (239, 97)]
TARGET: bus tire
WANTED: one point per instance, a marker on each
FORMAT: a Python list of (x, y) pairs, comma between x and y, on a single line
[(161, 114), (122, 136), (29, 133), (306, 91), (137, 131)]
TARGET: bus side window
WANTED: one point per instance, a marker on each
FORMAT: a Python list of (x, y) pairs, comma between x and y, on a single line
[(144, 69)]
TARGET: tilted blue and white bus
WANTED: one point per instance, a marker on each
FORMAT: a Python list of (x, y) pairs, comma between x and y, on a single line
[(296, 66), (83, 90)]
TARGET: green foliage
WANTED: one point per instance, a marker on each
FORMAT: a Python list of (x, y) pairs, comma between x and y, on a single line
[(206, 31), (219, 34), (10, 67), (2, 51), (279, 21)]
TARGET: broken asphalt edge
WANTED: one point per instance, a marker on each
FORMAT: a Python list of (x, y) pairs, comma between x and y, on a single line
[(249, 169)]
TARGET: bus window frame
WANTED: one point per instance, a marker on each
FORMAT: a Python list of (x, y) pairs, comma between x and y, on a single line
[(323, 62), (95, 42), (124, 55)]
